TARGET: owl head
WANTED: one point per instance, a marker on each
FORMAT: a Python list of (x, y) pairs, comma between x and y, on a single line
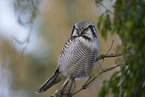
[(85, 30)]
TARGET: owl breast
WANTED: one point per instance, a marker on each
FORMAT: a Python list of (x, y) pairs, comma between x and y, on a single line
[(77, 59)]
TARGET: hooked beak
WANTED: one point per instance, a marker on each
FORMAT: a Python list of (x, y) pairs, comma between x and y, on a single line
[(81, 32)]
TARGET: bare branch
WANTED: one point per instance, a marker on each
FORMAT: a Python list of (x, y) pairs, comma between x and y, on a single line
[(105, 54), (92, 79), (110, 47), (102, 56)]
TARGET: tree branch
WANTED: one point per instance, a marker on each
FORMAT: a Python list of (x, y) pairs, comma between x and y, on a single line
[(102, 56), (93, 79)]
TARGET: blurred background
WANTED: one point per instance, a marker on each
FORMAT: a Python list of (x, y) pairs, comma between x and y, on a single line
[(32, 34)]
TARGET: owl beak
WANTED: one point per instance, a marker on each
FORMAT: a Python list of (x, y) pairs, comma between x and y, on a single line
[(80, 33)]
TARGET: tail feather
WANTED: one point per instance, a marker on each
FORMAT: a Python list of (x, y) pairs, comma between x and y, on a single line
[(55, 78)]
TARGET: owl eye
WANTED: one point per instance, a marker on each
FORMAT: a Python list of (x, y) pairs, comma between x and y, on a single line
[(86, 30)]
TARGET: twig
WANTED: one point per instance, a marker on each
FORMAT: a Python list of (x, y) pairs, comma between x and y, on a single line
[(110, 47), (105, 54), (102, 56), (88, 83)]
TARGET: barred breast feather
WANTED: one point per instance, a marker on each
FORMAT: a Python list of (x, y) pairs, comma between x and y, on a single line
[(77, 58)]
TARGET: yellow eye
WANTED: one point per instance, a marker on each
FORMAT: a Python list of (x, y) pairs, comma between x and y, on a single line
[(85, 30)]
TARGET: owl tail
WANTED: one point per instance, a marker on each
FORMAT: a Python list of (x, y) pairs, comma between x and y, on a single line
[(55, 78)]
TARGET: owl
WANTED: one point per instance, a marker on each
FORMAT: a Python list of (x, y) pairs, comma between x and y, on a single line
[(77, 57)]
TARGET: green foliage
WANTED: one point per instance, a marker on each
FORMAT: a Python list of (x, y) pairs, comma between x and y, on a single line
[(103, 90), (128, 22)]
